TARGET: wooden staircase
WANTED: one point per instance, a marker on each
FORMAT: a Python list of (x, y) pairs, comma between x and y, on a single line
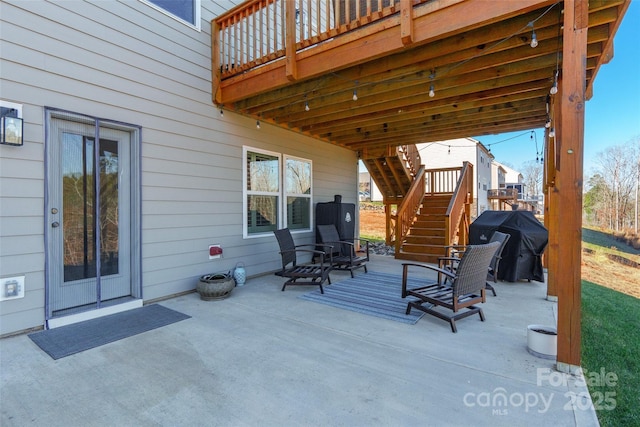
[(428, 234), (393, 170), (426, 210)]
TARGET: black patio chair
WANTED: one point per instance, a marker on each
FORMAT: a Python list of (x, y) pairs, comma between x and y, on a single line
[(302, 274), (344, 254), (451, 261), (455, 290)]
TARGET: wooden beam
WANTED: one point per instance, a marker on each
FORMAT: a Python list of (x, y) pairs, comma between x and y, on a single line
[(569, 183)]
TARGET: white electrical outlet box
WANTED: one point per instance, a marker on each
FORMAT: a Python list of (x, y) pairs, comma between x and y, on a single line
[(11, 288)]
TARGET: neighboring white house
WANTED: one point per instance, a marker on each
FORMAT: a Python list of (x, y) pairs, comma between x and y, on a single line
[(369, 191), (452, 153), (498, 175), (116, 96), (512, 179)]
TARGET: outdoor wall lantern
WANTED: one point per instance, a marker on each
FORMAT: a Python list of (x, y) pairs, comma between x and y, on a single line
[(10, 127)]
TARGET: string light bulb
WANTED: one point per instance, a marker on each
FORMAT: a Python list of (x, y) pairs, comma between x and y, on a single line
[(432, 88), (554, 88), (306, 106), (257, 124), (534, 39), (355, 95), (552, 133)]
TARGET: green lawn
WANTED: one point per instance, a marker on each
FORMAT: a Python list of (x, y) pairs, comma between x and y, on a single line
[(611, 353)]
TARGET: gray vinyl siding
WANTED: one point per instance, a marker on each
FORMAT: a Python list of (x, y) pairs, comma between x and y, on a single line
[(128, 62)]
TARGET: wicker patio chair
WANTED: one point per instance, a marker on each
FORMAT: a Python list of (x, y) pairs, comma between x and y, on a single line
[(452, 259), (465, 287), (345, 256), (302, 274)]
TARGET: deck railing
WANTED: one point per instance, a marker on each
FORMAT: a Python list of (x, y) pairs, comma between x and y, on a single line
[(442, 181), (408, 208), (503, 193), (411, 156), (459, 211), (260, 31)]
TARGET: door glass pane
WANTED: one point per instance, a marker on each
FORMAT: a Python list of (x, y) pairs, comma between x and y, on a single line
[(79, 220), (109, 207), (78, 194)]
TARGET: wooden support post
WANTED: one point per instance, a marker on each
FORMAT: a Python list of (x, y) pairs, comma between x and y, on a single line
[(551, 215), (569, 182), (552, 209), (406, 21), (291, 70)]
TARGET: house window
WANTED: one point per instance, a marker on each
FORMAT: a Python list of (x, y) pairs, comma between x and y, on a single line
[(298, 193), (269, 205), (185, 10)]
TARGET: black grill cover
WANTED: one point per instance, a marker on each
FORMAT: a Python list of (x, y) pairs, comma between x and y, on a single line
[(522, 257)]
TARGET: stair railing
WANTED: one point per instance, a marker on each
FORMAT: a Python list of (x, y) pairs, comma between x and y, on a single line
[(459, 210), (409, 207), (411, 157)]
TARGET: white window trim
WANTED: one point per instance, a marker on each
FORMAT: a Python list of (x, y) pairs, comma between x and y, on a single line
[(197, 10), (282, 194)]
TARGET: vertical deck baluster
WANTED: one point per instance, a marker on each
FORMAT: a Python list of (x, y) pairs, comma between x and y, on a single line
[(283, 24), (243, 42), (347, 12), (254, 35), (309, 21), (327, 14), (228, 58), (235, 42), (261, 29), (318, 14)]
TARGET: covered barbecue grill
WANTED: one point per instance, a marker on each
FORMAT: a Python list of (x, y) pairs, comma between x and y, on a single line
[(522, 256)]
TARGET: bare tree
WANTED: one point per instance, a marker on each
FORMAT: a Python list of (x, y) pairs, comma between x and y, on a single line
[(532, 174), (617, 185)]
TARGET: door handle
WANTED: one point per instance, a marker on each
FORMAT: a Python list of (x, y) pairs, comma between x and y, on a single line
[(55, 224)]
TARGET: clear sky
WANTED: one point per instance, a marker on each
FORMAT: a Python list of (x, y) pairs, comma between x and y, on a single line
[(612, 115)]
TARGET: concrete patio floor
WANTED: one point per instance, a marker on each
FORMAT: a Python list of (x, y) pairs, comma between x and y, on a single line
[(263, 357)]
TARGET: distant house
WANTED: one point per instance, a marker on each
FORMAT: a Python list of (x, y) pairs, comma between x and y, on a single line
[(513, 179), (506, 179), (453, 153), (367, 189)]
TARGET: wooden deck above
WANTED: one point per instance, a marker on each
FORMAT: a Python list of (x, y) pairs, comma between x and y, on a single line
[(359, 73)]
